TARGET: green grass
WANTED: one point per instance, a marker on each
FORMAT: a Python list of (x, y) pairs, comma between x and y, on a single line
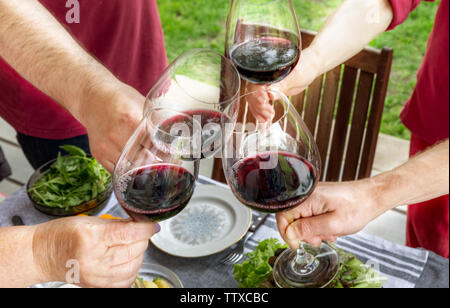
[(201, 24)]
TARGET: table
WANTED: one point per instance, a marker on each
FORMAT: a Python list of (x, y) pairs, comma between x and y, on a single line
[(403, 266)]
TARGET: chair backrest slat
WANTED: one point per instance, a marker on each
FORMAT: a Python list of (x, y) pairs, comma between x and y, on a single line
[(376, 112), (341, 124), (358, 125), (312, 103), (299, 102), (330, 94)]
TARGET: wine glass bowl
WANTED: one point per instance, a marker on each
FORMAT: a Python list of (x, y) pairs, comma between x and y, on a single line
[(263, 39), (152, 179), (203, 84), (270, 166)]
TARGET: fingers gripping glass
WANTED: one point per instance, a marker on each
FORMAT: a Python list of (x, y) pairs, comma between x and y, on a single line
[(273, 167)]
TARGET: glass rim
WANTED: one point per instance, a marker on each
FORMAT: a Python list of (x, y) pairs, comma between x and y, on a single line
[(147, 119)]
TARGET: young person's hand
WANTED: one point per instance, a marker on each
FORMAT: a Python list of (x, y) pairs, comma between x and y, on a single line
[(333, 210), (111, 117), (295, 83)]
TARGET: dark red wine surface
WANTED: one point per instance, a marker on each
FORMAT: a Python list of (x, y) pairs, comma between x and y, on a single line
[(265, 60), (272, 181), (158, 192)]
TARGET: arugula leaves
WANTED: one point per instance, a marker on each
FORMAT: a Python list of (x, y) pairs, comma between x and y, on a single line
[(71, 180)]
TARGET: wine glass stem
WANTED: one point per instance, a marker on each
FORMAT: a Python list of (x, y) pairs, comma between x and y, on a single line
[(305, 263)]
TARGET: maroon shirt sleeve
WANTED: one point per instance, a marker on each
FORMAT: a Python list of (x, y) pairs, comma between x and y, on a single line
[(402, 9)]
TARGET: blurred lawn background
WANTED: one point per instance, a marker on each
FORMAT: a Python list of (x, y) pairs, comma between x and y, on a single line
[(191, 24)]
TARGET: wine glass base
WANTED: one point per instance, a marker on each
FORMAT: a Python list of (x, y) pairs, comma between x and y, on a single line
[(318, 273)]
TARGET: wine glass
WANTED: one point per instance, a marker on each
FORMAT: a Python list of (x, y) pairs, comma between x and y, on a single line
[(152, 179), (204, 84), (263, 39), (274, 167)]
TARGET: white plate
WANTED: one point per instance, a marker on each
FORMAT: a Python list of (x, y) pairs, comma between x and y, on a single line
[(212, 221)]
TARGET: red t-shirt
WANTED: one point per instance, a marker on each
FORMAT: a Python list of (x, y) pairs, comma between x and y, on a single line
[(126, 36), (426, 114)]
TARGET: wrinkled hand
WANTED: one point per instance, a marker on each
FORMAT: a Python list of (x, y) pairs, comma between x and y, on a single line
[(111, 117), (333, 210), (109, 252), (295, 83)]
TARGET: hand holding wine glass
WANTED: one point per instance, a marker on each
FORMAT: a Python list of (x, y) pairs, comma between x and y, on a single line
[(332, 210), (301, 77), (274, 167)]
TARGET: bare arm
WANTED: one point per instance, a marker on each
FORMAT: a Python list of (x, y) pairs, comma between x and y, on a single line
[(40, 49), (422, 178), (348, 30), (17, 267), (345, 33), (43, 52), (337, 209)]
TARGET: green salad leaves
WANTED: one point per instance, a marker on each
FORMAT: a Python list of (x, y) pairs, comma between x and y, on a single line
[(256, 271), (71, 180)]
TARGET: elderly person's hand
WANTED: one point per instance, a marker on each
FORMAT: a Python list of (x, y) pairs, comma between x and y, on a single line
[(109, 252)]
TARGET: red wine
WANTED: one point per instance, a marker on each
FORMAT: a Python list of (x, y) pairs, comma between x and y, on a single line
[(272, 181), (266, 59), (158, 192), (210, 130)]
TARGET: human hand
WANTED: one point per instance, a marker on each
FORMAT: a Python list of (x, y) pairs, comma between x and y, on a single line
[(295, 83), (333, 210), (111, 117), (109, 252)]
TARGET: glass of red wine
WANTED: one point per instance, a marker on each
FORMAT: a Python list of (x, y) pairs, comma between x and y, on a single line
[(152, 179), (274, 167), (204, 84), (263, 39)]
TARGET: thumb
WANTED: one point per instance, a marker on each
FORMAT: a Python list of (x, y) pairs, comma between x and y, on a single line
[(125, 233), (310, 229)]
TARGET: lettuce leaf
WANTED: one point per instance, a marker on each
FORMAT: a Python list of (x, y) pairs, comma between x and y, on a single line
[(256, 269)]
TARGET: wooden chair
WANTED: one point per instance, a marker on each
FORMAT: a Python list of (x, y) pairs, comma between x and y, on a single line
[(343, 109)]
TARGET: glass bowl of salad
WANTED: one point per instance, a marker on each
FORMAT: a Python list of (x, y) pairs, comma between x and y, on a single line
[(70, 185)]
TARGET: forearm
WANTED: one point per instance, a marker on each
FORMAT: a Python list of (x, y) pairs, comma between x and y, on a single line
[(348, 30), (422, 178), (38, 47), (17, 266)]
